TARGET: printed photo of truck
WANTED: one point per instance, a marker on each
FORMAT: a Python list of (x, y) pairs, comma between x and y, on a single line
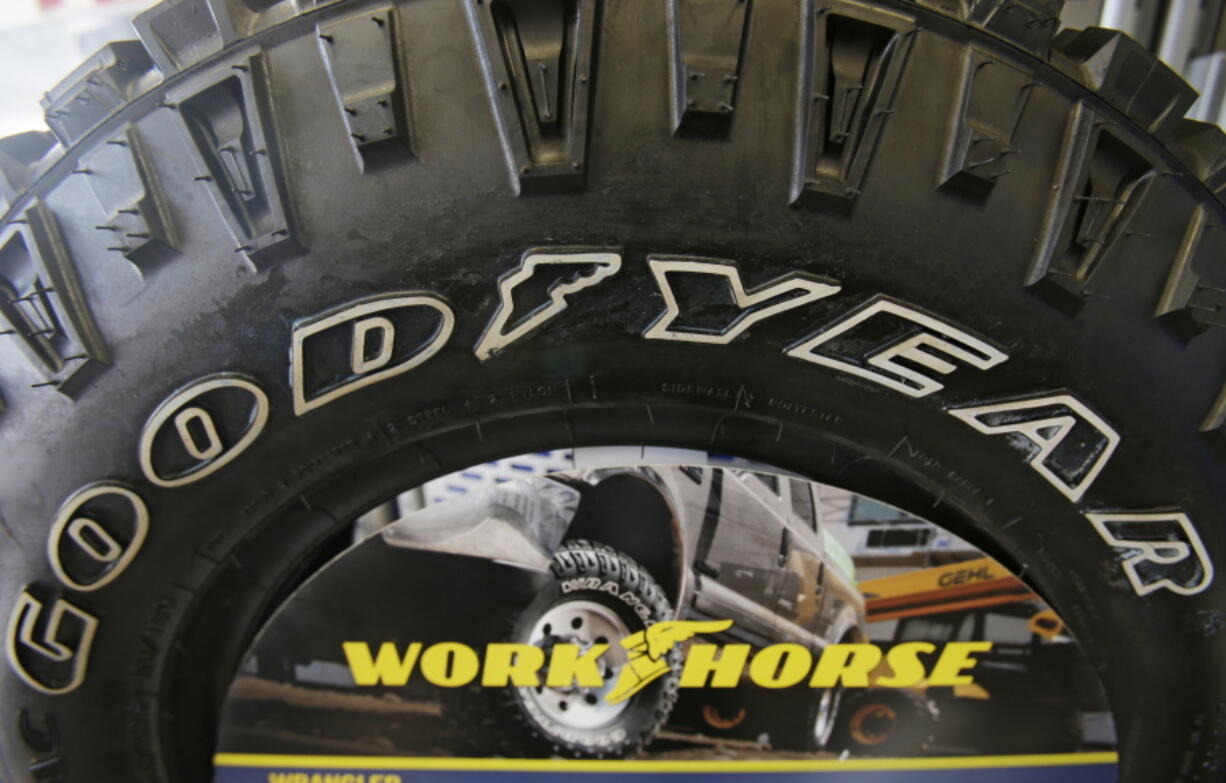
[(690, 543), (656, 612)]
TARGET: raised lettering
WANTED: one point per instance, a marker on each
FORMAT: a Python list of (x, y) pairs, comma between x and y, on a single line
[(414, 327), (1070, 444), (745, 307), (96, 534), (55, 660), (870, 342), (215, 419), (1158, 550), (519, 313)]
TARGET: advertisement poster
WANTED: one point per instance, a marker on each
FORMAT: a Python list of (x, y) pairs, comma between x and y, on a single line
[(646, 623)]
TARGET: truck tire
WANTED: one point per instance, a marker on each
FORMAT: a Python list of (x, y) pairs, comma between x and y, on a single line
[(885, 722), (281, 260), (598, 596), (818, 710)]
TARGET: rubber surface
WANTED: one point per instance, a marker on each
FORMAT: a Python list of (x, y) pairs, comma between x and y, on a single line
[(232, 183)]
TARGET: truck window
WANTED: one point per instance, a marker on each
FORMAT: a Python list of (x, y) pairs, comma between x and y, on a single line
[(1007, 628), (936, 628), (870, 512), (802, 502)]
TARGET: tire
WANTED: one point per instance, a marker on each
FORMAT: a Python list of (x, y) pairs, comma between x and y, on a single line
[(197, 244), (559, 722), (820, 710), (885, 722)]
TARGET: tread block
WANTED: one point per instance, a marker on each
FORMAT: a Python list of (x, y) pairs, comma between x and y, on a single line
[(1194, 297), (98, 88), (42, 305), (705, 41), (1127, 75), (1215, 419), (18, 153), (360, 55), (537, 57), (137, 223), (850, 66), (993, 96), (180, 33), (1028, 24), (1202, 147), (1099, 186), (227, 124)]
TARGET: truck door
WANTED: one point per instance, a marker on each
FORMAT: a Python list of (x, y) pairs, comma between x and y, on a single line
[(802, 594), (742, 550)]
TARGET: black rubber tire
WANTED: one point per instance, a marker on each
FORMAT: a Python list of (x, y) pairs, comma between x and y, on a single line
[(904, 728), (494, 721), (788, 733), (203, 263)]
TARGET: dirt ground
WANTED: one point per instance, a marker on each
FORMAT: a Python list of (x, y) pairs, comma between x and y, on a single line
[(264, 716)]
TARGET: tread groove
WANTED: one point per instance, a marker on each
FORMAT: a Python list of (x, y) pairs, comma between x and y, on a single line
[(537, 59), (850, 65), (360, 54), (225, 120), (42, 305), (1097, 192), (706, 39)]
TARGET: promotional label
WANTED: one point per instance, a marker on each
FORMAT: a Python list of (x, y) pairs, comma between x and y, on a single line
[(665, 622)]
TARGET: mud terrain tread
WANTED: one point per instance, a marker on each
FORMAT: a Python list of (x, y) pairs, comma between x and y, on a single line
[(181, 35), (1188, 288)]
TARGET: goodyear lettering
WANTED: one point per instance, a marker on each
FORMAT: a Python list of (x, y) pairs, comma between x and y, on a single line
[(377, 340)]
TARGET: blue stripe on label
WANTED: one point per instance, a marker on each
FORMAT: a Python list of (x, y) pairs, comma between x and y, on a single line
[(1079, 773)]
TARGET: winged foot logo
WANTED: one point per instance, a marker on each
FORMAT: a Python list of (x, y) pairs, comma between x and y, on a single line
[(648, 652)]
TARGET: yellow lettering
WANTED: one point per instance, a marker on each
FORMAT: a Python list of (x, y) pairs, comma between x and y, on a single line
[(780, 665), (568, 667), (387, 668), (850, 663), (513, 664), (449, 664), (724, 671), (904, 661), (954, 659)]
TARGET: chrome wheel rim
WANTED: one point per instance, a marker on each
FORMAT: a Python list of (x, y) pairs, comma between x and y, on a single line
[(585, 624)]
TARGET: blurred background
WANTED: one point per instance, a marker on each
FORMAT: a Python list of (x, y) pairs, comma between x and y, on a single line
[(42, 41)]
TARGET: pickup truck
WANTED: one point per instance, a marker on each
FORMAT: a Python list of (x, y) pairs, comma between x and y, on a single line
[(631, 547)]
